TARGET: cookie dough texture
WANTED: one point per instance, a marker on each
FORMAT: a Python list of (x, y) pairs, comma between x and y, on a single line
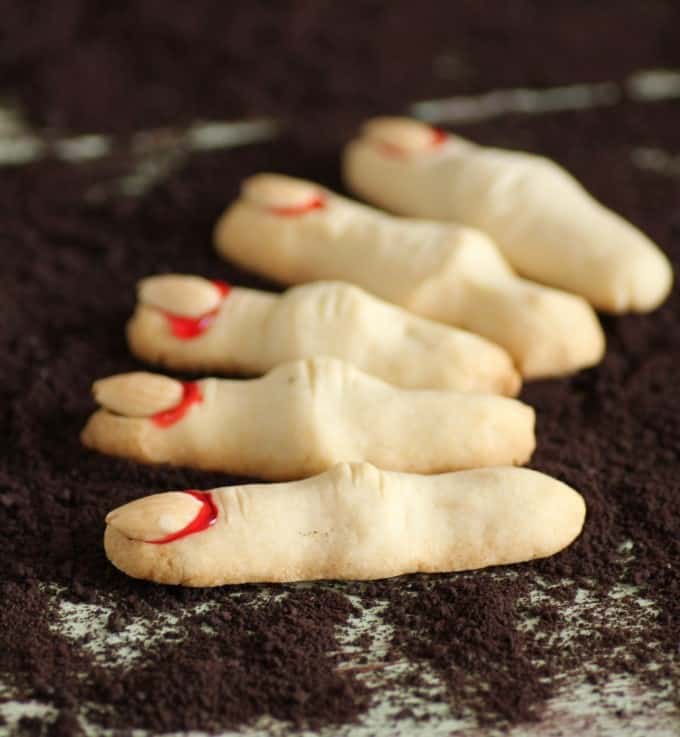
[(306, 416), (444, 272), (355, 522), (546, 224), (254, 331)]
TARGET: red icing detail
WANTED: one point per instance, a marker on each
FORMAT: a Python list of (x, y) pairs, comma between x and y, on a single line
[(192, 395), (439, 137), (206, 517), (190, 327), (186, 328), (316, 203), (223, 287)]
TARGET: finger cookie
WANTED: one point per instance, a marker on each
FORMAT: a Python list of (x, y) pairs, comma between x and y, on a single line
[(546, 224), (189, 323), (301, 419), (443, 272), (351, 522)]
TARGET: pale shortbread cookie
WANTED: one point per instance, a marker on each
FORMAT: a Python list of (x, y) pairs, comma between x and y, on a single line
[(444, 272), (546, 224), (306, 416), (248, 332), (352, 522)]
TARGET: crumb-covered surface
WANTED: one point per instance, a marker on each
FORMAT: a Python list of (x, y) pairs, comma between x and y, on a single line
[(585, 642), (94, 65)]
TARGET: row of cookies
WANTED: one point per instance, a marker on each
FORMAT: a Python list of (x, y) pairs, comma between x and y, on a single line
[(306, 415)]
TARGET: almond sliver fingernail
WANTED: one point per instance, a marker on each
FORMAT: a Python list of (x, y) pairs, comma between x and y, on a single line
[(157, 516), (282, 195), (138, 394), (400, 135), (185, 296)]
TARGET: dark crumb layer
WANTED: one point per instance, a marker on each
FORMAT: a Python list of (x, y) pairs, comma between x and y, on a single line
[(67, 287), (95, 65), (68, 278)]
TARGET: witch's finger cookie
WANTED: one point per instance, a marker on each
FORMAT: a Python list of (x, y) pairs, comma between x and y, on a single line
[(548, 227), (189, 323), (440, 271), (352, 522), (304, 417)]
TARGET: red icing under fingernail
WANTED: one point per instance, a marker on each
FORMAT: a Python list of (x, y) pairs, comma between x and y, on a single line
[(316, 203), (223, 287), (186, 328), (439, 137), (206, 517), (191, 395)]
